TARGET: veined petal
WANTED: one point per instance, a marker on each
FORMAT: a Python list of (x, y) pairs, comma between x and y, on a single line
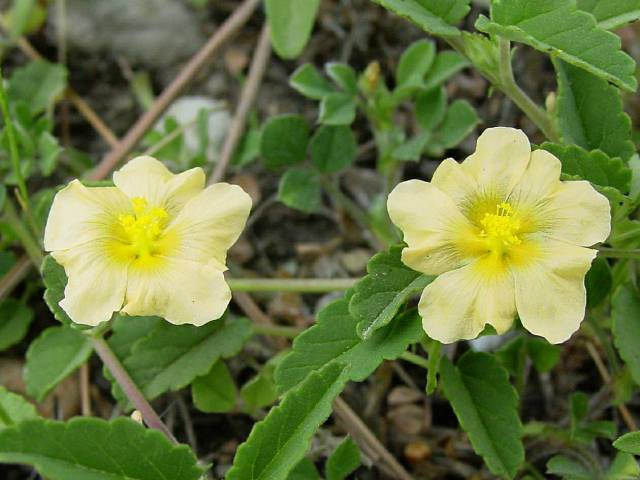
[(148, 178), (550, 293), (454, 179), (210, 223), (181, 291), (79, 215), (458, 304), (540, 179), (431, 224), (576, 213), (95, 286), (501, 157)]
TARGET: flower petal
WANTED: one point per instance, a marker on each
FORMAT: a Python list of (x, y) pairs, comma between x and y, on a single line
[(458, 304), (148, 178), (550, 293), (500, 159), (79, 215), (454, 179), (95, 286), (210, 223), (181, 292), (540, 179), (431, 224)]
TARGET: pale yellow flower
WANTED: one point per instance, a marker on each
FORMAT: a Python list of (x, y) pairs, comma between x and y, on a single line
[(505, 236), (155, 244)]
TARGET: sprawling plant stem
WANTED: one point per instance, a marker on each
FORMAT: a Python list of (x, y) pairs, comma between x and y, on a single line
[(302, 285)]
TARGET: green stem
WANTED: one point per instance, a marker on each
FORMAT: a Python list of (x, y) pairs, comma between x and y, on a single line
[(276, 330), (301, 285), (131, 390), (13, 144), (510, 88), (34, 251), (415, 359), (618, 253)]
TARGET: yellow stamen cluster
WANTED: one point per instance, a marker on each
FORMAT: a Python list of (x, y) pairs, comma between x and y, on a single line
[(143, 227), (501, 228)]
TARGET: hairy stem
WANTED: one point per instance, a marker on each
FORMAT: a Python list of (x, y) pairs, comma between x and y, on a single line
[(276, 330), (31, 246), (129, 387), (301, 285), (415, 359)]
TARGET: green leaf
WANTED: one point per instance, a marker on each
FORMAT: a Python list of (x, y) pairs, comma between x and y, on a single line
[(344, 460), (308, 81), (411, 150), (431, 106), (629, 443), (612, 14), (594, 166), (333, 148), (261, 390), (15, 318), (290, 25), (625, 313), (568, 468), (304, 470), (278, 443), (334, 339), (578, 408), (414, 64), (337, 109), (598, 282), (52, 357), (18, 18), (48, 150), (170, 357), (386, 287), (544, 355), (215, 392), (484, 53), (91, 448), (38, 84), (300, 189), (559, 28), (487, 408), (623, 467), (344, 76), (446, 64), (284, 141), (14, 409), (433, 16), (435, 355), (590, 113), (459, 121), (55, 280)]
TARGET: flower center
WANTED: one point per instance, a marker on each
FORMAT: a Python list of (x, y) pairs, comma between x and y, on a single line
[(143, 227), (501, 228)]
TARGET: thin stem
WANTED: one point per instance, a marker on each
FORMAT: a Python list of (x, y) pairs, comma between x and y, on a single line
[(509, 86), (34, 252), (301, 285), (129, 387), (618, 253), (415, 359), (276, 330), (13, 143)]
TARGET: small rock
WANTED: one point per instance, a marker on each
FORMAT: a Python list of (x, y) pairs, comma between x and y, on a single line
[(417, 451), (407, 419)]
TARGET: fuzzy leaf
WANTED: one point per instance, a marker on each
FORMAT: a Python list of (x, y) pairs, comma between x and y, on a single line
[(612, 14), (308, 81), (459, 121), (290, 25), (433, 16), (334, 339), (559, 28), (52, 357), (487, 408), (595, 166), (629, 442), (214, 392), (55, 280), (431, 106), (414, 64), (14, 409), (625, 315), (171, 356), (333, 148), (94, 449), (284, 141), (386, 287), (590, 112), (300, 188), (15, 318), (280, 441), (344, 460), (38, 84), (337, 109), (446, 64), (344, 76)]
